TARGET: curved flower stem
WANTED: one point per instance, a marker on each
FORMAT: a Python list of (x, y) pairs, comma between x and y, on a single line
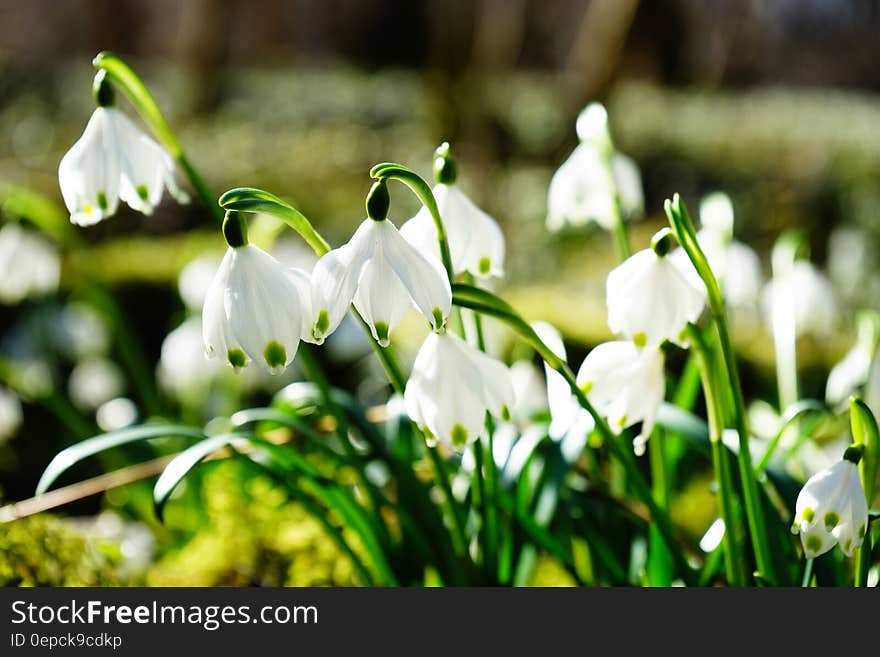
[(126, 79), (421, 189), (485, 302), (683, 228), (249, 199), (733, 561), (618, 231)]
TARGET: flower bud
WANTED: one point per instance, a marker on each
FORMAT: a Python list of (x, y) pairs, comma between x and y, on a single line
[(445, 169)]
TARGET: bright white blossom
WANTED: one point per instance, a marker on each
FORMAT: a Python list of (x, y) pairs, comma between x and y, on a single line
[(256, 310), (831, 509), (805, 293), (29, 265), (848, 375), (451, 388), (10, 414), (113, 161), (183, 367), (626, 384), (476, 243), (384, 275), (650, 299)]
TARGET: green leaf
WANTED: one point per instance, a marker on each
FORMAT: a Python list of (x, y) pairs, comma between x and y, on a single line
[(183, 463), (251, 199), (865, 432), (82, 450), (684, 423)]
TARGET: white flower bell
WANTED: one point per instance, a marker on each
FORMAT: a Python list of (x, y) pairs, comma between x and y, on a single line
[(382, 273), (626, 384), (476, 243), (650, 298), (451, 388), (256, 309), (113, 161), (10, 414), (808, 294), (29, 265), (855, 369), (831, 509), (587, 185), (183, 367)]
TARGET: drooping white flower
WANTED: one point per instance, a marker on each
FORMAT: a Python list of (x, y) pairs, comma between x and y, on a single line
[(29, 265), (256, 310), (625, 384), (805, 293), (113, 161), (95, 381), (384, 275), (476, 243), (651, 299), (10, 414), (183, 367), (569, 422), (451, 388), (831, 509), (583, 189)]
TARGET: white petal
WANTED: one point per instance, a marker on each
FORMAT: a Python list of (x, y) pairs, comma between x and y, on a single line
[(629, 184), (848, 375), (89, 172), (475, 240), (381, 298), (423, 277), (215, 324), (335, 279)]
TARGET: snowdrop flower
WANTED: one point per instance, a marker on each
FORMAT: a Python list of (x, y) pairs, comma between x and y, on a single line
[(113, 161), (831, 509), (451, 388), (382, 273), (811, 296), (29, 265), (625, 384), (650, 297), (854, 370), (589, 183), (95, 381), (183, 366), (256, 309), (10, 414), (569, 422), (476, 243)]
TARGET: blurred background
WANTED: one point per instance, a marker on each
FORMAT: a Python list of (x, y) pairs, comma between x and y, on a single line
[(776, 103)]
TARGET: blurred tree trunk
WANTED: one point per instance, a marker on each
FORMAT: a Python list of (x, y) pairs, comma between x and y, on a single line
[(202, 46)]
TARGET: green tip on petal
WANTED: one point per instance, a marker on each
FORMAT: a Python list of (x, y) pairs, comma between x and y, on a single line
[(142, 192), (831, 520), (102, 202), (322, 324), (505, 413), (862, 531), (382, 334), (236, 358), (640, 339), (437, 314), (459, 436), (485, 265), (808, 514), (275, 355), (814, 544)]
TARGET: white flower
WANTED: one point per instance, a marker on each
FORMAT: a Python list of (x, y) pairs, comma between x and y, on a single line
[(570, 424), (476, 243), (195, 279), (95, 381), (384, 275), (10, 414), (848, 375), (29, 265), (113, 161), (831, 508), (183, 366), (625, 384), (584, 190), (805, 294), (451, 388), (716, 214), (255, 310), (650, 299)]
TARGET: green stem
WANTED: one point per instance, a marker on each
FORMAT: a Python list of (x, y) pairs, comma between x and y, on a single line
[(487, 303), (683, 227), (733, 561), (808, 573), (619, 234), (660, 561), (124, 77)]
